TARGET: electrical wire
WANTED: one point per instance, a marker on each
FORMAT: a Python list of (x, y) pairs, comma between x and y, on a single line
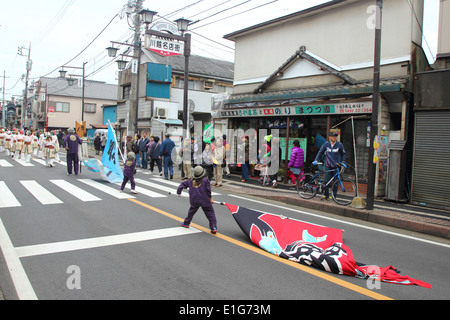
[(53, 23)]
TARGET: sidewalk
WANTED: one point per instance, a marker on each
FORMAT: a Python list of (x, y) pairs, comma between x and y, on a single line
[(403, 216)]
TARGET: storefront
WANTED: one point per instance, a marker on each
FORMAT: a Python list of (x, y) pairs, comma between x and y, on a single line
[(430, 175), (311, 118)]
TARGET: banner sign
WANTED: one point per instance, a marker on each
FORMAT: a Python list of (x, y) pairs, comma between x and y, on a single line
[(340, 108)]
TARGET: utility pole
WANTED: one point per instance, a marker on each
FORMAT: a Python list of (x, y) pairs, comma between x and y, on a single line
[(134, 94), (4, 111), (376, 101), (24, 115)]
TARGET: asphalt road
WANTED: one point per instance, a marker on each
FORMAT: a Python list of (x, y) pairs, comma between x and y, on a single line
[(103, 247)]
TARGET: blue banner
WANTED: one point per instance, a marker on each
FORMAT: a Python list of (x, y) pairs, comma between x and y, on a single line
[(110, 159)]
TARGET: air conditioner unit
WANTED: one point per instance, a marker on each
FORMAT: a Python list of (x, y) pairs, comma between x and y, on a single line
[(162, 113)]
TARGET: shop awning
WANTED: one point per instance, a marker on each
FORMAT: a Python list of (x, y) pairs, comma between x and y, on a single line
[(308, 95)]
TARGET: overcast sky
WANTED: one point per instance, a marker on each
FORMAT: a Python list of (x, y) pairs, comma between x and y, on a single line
[(59, 30)]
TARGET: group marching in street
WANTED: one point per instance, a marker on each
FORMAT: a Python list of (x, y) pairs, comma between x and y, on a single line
[(22, 145)]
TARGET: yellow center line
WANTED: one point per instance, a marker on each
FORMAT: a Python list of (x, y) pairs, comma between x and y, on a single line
[(310, 270)]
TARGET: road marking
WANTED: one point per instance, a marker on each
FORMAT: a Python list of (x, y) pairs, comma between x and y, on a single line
[(7, 198), (41, 194), (74, 245), (19, 277), (253, 248), (5, 164), (157, 186), (176, 184), (144, 191), (115, 192), (75, 191), (23, 163), (347, 222)]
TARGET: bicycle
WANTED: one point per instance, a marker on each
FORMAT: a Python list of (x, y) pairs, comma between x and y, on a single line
[(343, 190)]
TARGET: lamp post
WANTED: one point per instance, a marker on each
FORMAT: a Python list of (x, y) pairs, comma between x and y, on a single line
[(145, 16), (70, 81), (182, 25), (375, 104)]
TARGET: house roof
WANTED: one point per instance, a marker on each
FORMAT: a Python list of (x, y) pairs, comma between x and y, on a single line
[(93, 89), (198, 65)]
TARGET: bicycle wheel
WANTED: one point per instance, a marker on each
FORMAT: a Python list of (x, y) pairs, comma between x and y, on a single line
[(307, 186), (346, 190)]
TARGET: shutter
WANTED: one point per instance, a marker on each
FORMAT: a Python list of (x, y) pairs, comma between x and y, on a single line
[(431, 166)]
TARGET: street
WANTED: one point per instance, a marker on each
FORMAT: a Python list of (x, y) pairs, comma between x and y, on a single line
[(78, 238)]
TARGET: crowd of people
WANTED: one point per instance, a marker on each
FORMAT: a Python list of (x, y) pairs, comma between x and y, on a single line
[(22, 144), (151, 153)]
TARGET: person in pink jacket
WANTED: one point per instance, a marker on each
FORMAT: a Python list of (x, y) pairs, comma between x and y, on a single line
[(297, 161)]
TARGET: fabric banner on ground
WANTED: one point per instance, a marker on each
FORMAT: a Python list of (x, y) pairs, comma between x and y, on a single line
[(109, 167), (310, 244)]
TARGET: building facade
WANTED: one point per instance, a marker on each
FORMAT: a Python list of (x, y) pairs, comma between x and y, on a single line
[(57, 105), (311, 72), (161, 90), (429, 185)]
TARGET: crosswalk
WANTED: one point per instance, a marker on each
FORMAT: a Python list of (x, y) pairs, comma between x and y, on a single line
[(85, 190), (34, 161)]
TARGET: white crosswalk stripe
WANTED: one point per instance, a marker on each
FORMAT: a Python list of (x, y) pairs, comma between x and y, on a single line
[(175, 185), (40, 193), (89, 191), (24, 163), (5, 164), (75, 191), (104, 188), (7, 198)]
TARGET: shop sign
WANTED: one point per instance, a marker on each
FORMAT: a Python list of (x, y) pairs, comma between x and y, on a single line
[(340, 108), (165, 46)]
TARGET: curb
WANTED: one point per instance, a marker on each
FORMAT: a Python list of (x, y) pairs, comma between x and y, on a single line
[(366, 215), (347, 211)]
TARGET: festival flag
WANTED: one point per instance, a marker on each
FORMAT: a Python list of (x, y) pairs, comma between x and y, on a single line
[(310, 244), (208, 133), (110, 159)]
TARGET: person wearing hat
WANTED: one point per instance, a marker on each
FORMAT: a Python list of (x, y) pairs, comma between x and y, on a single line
[(199, 196), (334, 154), (129, 169)]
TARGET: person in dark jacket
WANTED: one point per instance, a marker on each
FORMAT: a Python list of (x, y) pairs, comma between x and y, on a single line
[(154, 155), (166, 154), (334, 154), (129, 169), (97, 143), (199, 196)]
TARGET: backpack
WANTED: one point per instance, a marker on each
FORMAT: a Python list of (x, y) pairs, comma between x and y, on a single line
[(135, 147)]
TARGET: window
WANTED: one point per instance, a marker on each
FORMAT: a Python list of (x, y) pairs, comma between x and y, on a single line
[(62, 107), (90, 107), (126, 91)]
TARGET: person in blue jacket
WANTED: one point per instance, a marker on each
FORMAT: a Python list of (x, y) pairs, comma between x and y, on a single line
[(165, 153), (334, 155)]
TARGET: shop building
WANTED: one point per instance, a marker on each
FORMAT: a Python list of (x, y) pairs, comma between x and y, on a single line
[(430, 174), (311, 72)]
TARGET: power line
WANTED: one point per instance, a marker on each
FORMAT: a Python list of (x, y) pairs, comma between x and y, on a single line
[(109, 23), (53, 23)]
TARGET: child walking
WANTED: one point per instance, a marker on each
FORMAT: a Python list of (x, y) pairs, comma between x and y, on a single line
[(199, 196), (129, 169)]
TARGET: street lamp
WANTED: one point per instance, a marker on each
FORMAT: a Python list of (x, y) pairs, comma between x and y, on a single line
[(70, 81), (182, 25), (145, 16)]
